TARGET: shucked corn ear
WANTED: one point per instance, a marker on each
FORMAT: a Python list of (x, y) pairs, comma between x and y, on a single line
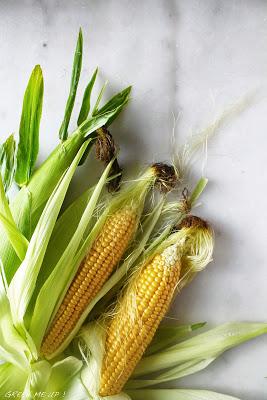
[(146, 300), (118, 228)]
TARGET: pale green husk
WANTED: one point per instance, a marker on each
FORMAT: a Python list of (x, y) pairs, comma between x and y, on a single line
[(177, 394), (194, 354)]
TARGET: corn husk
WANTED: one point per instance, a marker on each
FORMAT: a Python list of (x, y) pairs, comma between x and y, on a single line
[(194, 354), (7, 383), (185, 358), (170, 334), (8, 161), (178, 394)]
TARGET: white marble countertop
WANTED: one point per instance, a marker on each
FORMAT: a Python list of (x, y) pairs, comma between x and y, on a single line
[(189, 58)]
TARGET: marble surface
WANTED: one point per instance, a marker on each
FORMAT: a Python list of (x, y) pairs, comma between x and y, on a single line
[(190, 59)]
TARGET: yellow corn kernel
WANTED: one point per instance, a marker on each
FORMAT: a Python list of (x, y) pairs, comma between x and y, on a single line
[(137, 317), (93, 272)]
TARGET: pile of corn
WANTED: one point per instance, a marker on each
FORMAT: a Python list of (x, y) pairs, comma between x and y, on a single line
[(83, 291)]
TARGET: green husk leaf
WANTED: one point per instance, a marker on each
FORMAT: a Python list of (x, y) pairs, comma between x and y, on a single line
[(61, 236), (9, 257), (18, 241), (24, 217), (93, 123), (76, 390), (28, 145), (116, 102), (76, 71), (177, 394), (7, 382), (8, 161), (187, 368), (4, 206), (62, 373), (58, 280), (46, 177), (92, 342), (204, 346), (93, 338), (99, 98), (37, 379), (23, 283), (86, 153), (13, 348), (167, 335), (16, 238), (201, 184), (86, 103)]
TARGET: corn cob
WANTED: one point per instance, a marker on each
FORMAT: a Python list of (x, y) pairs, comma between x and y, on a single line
[(137, 318), (94, 270)]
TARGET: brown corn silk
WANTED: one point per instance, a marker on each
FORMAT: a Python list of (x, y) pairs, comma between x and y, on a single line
[(105, 149), (137, 317), (95, 269)]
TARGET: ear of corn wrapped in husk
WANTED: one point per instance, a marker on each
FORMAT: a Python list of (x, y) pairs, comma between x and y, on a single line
[(95, 261), (124, 337), (22, 284), (44, 313), (17, 344)]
